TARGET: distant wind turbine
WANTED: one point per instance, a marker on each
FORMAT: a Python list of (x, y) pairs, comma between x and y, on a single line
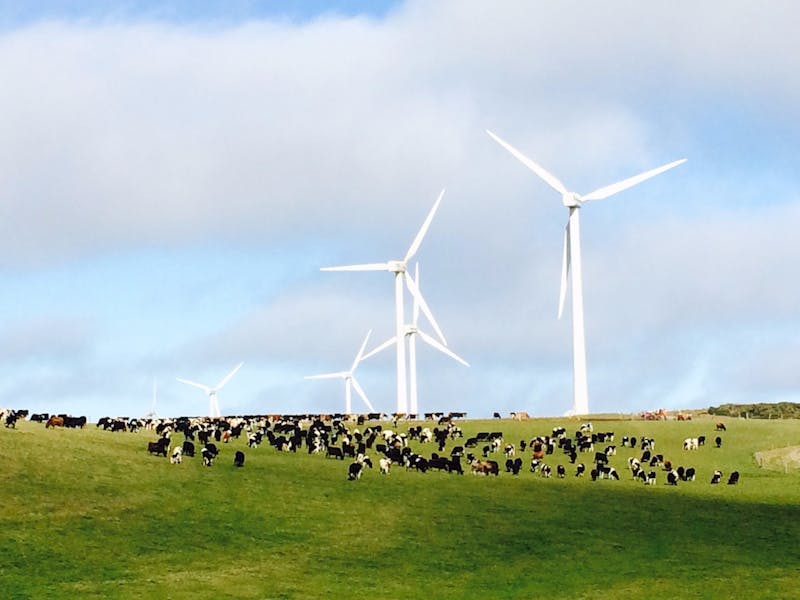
[(411, 332), (213, 404), (398, 267), (571, 259), (350, 380)]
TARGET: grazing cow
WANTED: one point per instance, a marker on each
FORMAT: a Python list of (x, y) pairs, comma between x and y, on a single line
[(718, 441), (354, 471), (485, 467), (579, 471), (54, 421), (238, 459), (334, 452), (691, 444), (496, 415), (40, 417), (561, 471), (439, 463), (384, 464), (720, 427), (546, 471), (672, 478), (457, 451), (455, 465), (651, 478), (734, 478), (701, 440), (513, 465), (509, 450), (188, 448), (716, 477), (689, 474), (159, 447), (208, 456), (175, 458)]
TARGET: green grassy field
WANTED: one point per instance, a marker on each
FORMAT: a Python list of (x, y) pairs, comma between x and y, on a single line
[(89, 513)]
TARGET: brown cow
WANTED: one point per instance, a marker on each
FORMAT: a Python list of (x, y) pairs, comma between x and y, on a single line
[(54, 421)]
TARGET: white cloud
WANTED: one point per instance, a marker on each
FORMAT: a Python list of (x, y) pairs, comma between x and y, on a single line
[(329, 140)]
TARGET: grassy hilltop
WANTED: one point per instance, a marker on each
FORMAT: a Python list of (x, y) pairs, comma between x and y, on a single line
[(89, 513)]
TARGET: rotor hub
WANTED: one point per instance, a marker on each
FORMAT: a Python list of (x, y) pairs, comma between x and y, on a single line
[(571, 200)]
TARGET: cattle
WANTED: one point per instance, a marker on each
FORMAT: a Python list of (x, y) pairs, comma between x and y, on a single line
[(509, 450), (716, 477), (651, 478), (496, 415), (40, 417), (607, 472), (720, 427), (175, 458), (208, 456), (384, 464), (439, 463), (159, 447), (455, 465), (672, 478), (54, 421), (188, 448), (734, 478), (718, 441), (546, 471), (580, 470), (354, 471), (691, 444), (238, 459), (334, 452), (701, 440), (74, 422), (561, 471), (689, 474), (485, 467), (513, 465), (457, 451)]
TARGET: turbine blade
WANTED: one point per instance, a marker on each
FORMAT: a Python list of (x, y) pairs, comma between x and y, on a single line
[(565, 263), (361, 393), (412, 250), (444, 349), (366, 267), (360, 352), (227, 377), (205, 388), (339, 375), (388, 343), (545, 175), (412, 287), (415, 308), (610, 190)]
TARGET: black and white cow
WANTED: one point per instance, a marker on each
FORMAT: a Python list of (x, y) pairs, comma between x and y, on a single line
[(238, 459)]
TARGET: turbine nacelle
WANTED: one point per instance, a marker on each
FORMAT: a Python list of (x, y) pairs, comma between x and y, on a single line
[(396, 266), (571, 200)]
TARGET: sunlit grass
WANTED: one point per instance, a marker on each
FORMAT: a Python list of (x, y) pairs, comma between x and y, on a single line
[(91, 513)]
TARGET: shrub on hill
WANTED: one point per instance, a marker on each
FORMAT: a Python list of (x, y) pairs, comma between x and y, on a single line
[(780, 410)]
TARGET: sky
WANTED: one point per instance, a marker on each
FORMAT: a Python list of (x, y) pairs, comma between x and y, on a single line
[(173, 175)]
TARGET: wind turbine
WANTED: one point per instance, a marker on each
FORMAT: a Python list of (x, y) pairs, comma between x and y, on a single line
[(411, 332), (350, 380), (213, 405), (571, 259), (153, 414), (398, 267)]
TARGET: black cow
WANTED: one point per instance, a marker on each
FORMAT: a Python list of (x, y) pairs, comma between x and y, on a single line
[(159, 447), (718, 441), (334, 452), (734, 478), (188, 448), (238, 459)]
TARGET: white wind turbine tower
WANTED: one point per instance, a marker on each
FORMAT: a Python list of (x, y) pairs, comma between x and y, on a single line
[(153, 414), (411, 332), (571, 259), (213, 405), (350, 380), (398, 267)]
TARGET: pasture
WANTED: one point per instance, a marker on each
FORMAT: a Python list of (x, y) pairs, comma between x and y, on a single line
[(89, 513)]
